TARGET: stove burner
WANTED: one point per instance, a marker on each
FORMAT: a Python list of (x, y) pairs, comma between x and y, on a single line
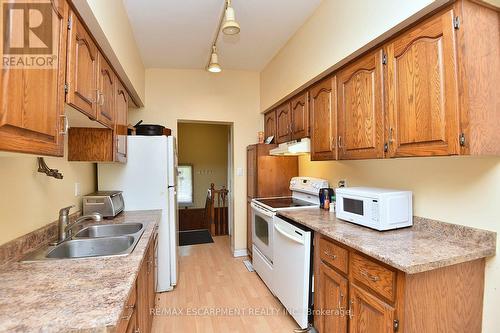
[(288, 202)]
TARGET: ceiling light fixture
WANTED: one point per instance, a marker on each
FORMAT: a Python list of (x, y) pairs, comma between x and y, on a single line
[(213, 66), (230, 26)]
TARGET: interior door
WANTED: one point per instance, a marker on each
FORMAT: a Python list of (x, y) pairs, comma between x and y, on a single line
[(422, 90), (300, 116), (32, 98), (284, 123), (81, 69), (323, 101), (360, 112)]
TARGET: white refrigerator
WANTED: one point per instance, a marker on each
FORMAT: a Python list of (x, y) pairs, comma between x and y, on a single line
[(148, 181)]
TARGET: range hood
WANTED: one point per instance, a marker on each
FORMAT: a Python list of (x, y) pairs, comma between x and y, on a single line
[(292, 148)]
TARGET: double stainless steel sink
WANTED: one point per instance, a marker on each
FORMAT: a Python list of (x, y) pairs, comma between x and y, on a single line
[(94, 241)]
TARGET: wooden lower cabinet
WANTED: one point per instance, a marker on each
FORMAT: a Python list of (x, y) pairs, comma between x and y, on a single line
[(372, 297), (332, 300), (137, 316), (369, 314)]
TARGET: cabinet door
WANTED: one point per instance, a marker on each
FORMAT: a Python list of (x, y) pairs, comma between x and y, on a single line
[(300, 116), (270, 124), (151, 282), (82, 69), (360, 113), (283, 121), (422, 90), (332, 291), (249, 227), (369, 314), (121, 126), (32, 99), (106, 97), (323, 101), (143, 298), (251, 171)]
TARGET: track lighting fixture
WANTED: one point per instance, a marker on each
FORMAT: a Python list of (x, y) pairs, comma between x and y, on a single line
[(213, 66), (230, 26)]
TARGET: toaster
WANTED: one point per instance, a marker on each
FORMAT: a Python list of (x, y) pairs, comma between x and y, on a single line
[(107, 203)]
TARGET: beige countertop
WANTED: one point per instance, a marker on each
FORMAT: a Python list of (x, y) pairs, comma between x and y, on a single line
[(427, 245), (72, 295)]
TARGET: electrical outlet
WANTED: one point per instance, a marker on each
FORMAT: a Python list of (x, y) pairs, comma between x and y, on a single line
[(342, 183), (78, 190), (239, 172)]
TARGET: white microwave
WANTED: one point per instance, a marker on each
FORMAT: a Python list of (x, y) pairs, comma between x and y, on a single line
[(377, 208)]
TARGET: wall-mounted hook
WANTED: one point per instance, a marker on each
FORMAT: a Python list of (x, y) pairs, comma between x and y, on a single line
[(43, 168)]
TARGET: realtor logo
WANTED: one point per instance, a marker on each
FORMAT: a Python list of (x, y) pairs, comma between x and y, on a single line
[(28, 34)]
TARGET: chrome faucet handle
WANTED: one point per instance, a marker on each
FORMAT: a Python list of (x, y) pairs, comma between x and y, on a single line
[(65, 211)]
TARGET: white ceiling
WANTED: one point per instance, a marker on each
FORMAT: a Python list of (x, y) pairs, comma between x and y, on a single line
[(178, 34)]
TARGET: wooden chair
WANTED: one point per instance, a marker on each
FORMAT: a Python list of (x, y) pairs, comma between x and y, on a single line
[(216, 211)]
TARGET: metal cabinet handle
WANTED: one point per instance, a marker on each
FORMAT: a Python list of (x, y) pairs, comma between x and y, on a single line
[(391, 138), (374, 278), (351, 308), (340, 141), (102, 99), (328, 254), (341, 299), (98, 95), (65, 126)]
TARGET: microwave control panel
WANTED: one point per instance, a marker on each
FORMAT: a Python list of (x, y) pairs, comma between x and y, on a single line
[(375, 210)]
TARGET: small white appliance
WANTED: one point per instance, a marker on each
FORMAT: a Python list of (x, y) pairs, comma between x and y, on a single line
[(277, 242), (376, 208), (148, 181)]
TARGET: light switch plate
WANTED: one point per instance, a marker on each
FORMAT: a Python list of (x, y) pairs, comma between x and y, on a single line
[(239, 172), (78, 190)]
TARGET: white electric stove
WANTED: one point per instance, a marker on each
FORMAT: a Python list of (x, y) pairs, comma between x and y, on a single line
[(282, 250)]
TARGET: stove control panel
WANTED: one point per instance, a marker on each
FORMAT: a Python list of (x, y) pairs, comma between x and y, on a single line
[(307, 184)]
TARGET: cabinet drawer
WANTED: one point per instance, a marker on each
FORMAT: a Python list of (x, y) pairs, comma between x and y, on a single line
[(377, 277), (333, 254)]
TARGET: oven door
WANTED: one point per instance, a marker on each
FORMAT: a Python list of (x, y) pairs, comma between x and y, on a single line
[(262, 230)]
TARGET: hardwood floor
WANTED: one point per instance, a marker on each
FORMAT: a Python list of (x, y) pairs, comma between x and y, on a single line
[(212, 280)]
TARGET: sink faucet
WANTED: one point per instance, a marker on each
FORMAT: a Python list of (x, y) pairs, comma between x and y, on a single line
[(65, 227)]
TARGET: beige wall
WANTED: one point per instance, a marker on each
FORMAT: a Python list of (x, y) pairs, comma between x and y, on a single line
[(110, 18), (231, 96), (204, 146), (30, 200), (334, 31), (462, 190)]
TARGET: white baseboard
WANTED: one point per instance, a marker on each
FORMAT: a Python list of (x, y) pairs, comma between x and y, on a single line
[(240, 253)]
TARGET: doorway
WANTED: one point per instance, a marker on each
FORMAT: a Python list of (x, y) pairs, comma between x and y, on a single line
[(205, 181)]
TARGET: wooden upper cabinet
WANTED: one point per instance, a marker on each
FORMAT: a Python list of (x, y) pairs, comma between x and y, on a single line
[(333, 296), (106, 93), (32, 99), (82, 69), (422, 96), (270, 124), (360, 112), (121, 124), (369, 314), (284, 123), (323, 101), (300, 116)]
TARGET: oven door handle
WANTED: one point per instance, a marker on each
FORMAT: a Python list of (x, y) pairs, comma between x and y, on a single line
[(262, 210), (281, 231)]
